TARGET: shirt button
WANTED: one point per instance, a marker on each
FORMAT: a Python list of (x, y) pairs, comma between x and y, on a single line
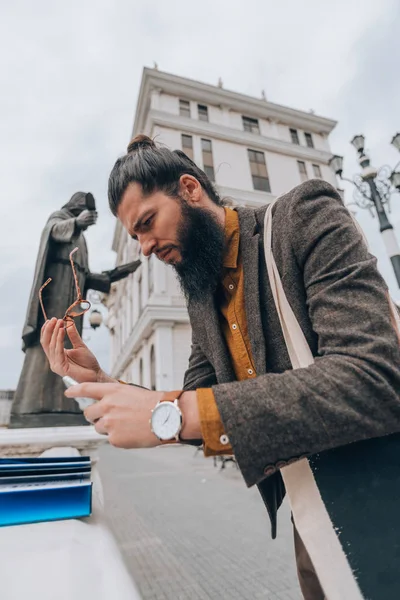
[(224, 440), (231, 286), (250, 371), (234, 326)]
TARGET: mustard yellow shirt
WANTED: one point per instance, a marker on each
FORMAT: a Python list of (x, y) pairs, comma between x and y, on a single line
[(232, 315)]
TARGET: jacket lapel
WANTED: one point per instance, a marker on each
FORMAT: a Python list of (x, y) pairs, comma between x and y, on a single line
[(218, 349), (250, 250), (206, 313)]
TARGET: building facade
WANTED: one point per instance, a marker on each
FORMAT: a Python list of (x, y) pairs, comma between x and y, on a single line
[(6, 398), (253, 150)]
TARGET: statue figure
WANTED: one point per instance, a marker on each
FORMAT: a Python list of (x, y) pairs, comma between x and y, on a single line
[(39, 399)]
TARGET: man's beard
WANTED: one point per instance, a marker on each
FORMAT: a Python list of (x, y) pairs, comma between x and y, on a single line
[(201, 243)]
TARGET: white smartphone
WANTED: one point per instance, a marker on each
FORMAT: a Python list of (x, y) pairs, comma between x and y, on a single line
[(83, 402)]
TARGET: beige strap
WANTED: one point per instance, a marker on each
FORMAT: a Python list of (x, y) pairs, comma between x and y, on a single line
[(296, 343), (309, 511)]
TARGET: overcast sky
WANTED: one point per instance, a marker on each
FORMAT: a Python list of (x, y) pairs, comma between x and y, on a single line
[(70, 75)]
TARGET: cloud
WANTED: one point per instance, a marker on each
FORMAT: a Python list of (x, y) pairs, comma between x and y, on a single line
[(70, 80)]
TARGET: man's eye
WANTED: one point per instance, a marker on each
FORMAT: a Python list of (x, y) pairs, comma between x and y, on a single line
[(148, 221)]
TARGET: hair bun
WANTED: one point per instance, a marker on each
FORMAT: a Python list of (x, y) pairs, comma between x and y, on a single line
[(140, 141)]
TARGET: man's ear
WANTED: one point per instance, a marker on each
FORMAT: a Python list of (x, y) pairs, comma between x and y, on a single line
[(190, 188)]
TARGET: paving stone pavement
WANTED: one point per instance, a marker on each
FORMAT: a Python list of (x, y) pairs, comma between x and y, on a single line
[(189, 531)]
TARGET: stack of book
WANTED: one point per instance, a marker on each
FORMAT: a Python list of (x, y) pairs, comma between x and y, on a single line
[(44, 489)]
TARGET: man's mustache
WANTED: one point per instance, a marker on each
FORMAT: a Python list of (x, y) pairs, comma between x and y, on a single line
[(161, 251)]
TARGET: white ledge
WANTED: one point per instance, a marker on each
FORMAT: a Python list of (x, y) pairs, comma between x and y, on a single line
[(75, 559), (33, 441)]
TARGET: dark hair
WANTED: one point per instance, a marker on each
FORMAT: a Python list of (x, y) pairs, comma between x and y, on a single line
[(155, 168)]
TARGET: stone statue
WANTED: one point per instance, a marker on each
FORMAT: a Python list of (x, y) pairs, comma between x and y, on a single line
[(39, 398)]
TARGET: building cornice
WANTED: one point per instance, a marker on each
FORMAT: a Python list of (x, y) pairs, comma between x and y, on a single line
[(236, 136), (248, 198), (214, 95), (149, 319)]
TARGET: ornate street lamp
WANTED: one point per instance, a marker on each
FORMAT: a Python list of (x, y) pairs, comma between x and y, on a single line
[(358, 142), (396, 141), (95, 316), (95, 319), (336, 164), (373, 188)]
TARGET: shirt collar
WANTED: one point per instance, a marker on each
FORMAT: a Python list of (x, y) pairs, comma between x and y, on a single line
[(232, 232)]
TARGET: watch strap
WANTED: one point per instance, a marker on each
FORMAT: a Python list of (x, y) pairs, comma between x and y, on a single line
[(171, 396)]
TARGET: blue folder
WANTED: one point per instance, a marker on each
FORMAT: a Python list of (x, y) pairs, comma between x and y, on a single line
[(44, 489)]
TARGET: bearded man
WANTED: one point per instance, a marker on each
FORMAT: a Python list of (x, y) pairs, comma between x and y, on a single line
[(240, 393)]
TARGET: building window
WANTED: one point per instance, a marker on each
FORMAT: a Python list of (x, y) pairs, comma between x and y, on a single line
[(152, 369), (184, 108), (251, 125), (151, 274), (130, 308), (139, 283), (187, 145), (309, 140), (317, 171), (295, 136), (259, 171), (302, 170), (208, 165), (203, 112), (140, 372)]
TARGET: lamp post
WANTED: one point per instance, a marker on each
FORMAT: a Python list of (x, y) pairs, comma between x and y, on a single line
[(95, 317), (373, 189)]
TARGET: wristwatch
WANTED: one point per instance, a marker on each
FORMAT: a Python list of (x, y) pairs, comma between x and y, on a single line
[(166, 418)]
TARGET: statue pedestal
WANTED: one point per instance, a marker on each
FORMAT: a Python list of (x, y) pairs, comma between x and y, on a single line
[(33, 441), (75, 559), (46, 420)]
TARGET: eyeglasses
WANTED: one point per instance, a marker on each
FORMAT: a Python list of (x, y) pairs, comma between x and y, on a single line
[(79, 307)]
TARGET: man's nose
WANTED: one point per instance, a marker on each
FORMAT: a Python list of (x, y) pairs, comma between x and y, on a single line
[(147, 246)]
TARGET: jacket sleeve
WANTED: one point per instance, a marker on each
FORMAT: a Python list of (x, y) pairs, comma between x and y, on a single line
[(201, 374), (352, 391)]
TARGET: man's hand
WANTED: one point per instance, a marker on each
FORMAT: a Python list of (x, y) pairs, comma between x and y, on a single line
[(78, 362), (123, 412), (86, 218)]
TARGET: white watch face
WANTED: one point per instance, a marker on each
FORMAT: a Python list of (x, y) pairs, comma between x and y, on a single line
[(166, 421)]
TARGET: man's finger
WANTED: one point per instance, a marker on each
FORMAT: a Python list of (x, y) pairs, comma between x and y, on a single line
[(100, 427), (46, 333), (59, 348), (94, 412), (74, 336), (53, 340), (91, 390)]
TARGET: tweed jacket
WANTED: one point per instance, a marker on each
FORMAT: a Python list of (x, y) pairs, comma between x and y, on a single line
[(352, 391)]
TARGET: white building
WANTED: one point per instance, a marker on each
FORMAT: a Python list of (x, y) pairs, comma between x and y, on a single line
[(253, 150), (6, 398)]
